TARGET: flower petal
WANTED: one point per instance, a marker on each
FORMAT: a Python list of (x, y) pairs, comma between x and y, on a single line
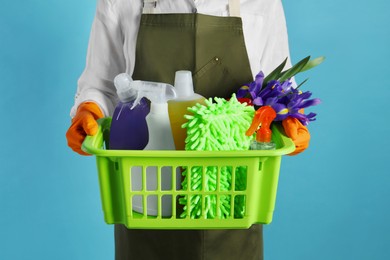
[(259, 79), (310, 102), (243, 91), (258, 101), (281, 110)]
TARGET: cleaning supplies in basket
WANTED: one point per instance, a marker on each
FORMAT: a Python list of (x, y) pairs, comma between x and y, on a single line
[(218, 126), (159, 126), (186, 97), (160, 138), (128, 130), (263, 119)]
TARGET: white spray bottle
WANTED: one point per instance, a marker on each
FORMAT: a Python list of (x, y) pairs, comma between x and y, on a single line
[(160, 138), (160, 132)]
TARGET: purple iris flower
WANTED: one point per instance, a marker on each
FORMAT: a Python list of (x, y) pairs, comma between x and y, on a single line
[(299, 101), (304, 119), (281, 96), (251, 89), (280, 108)]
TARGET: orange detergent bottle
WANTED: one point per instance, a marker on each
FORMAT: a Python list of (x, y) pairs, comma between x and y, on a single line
[(177, 108)]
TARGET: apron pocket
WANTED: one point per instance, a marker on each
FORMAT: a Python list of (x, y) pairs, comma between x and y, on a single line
[(214, 80)]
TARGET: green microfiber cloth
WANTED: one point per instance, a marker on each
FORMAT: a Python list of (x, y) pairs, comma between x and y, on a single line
[(216, 126)]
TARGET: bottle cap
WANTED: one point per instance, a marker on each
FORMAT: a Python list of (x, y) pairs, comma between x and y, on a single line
[(183, 83)]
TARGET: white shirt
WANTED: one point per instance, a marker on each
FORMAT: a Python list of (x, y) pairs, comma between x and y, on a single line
[(112, 43)]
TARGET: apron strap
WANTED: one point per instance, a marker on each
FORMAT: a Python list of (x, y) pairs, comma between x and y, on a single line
[(149, 7), (234, 8)]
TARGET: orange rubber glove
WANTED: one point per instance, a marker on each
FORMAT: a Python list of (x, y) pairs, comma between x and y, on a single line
[(298, 133), (83, 124)]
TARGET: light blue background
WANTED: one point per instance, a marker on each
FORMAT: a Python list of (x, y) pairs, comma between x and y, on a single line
[(332, 201)]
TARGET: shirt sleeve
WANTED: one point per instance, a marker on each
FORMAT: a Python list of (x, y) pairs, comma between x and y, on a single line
[(276, 48), (105, 59)]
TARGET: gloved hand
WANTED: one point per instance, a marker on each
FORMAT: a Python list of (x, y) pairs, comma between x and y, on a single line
[(83, 124), (298, 133)]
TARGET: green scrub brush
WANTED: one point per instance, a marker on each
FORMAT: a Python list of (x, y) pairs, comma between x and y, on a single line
[(216, 126)]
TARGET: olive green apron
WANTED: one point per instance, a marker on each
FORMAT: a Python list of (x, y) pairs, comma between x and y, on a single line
[(213, 49)]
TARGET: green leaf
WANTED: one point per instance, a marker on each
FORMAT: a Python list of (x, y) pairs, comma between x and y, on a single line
[(275, 74), (294, 69), (313, 63), (303, 82)]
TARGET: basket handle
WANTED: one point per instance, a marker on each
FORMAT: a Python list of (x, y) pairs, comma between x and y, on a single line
[(93, 143), (287, 142)]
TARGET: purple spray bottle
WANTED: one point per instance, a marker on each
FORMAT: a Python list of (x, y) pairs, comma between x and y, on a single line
[(129, 130)]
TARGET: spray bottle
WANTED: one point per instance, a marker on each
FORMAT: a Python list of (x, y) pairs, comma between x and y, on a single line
[(159, 126), (160, 138), (186, 97), (128, 130), (263, 119)]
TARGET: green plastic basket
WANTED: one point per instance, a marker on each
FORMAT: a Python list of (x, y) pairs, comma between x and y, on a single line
[(117, 192)]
